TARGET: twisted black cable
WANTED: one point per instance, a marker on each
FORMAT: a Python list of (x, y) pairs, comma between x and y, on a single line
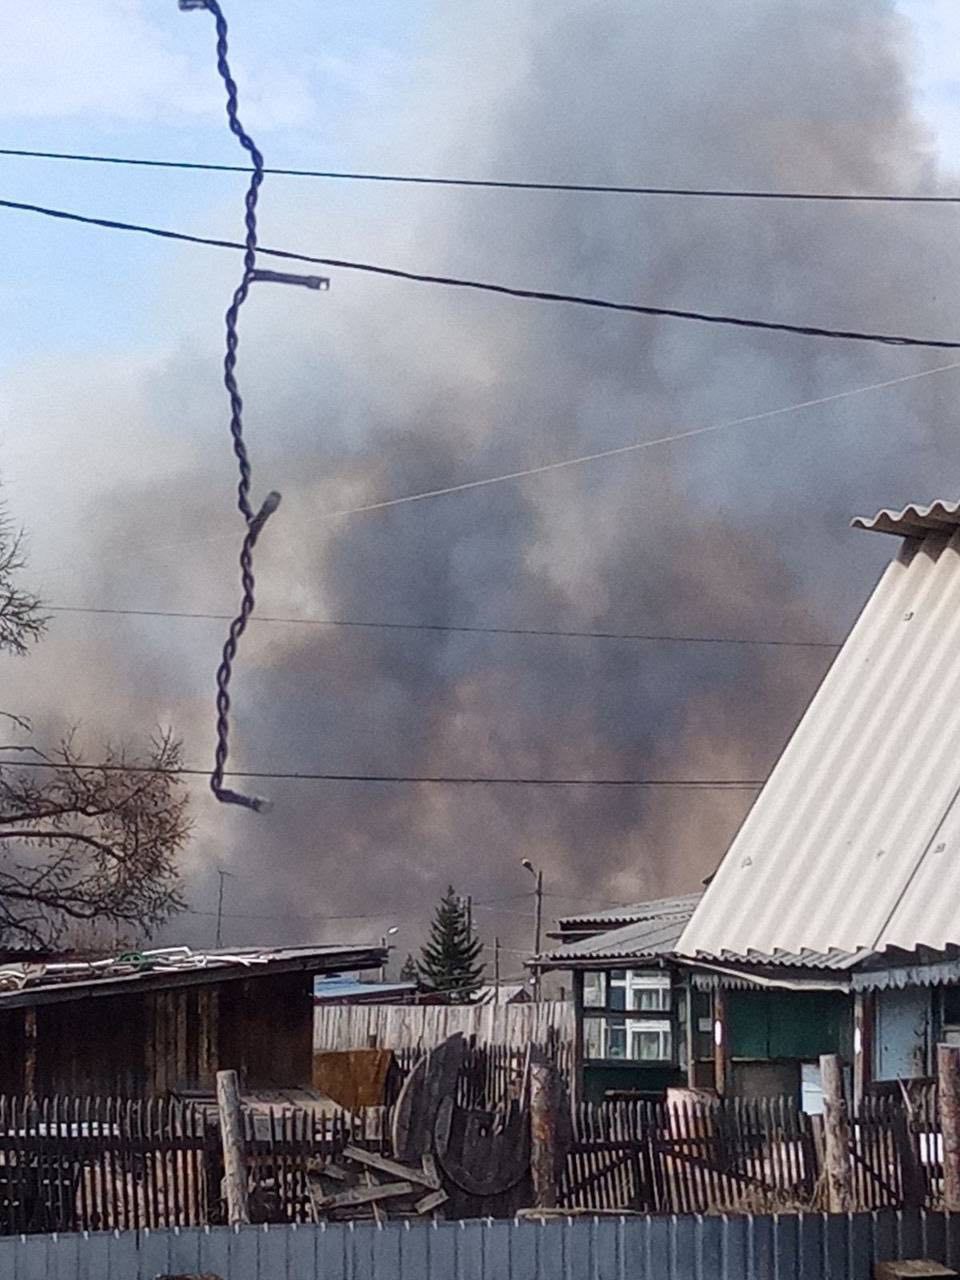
[(254, 522)]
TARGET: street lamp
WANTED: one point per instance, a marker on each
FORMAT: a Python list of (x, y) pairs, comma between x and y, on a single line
[(394, 928), (537, 874)]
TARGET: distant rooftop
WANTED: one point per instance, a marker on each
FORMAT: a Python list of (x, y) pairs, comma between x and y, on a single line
[(337, 988), (632, 913)]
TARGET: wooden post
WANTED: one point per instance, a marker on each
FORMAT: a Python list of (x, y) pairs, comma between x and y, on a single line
[(576, 1082), (721, 1047), (231, 1135), (30, 1050), (862, 1046), (691, 1034), (836, 1135), (544, 1125), (948, 1079)]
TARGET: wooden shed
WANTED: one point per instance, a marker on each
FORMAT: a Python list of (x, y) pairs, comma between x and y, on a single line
[(156, 1022)]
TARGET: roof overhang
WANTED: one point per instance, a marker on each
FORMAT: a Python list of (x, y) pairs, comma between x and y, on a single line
[(708, 977)]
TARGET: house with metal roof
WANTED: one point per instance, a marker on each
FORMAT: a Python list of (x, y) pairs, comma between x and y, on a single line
[(833, 922), (629, 1005), (849, 860)]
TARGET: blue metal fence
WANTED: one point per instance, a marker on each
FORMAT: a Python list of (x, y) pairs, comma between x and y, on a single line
[(786, 1247)]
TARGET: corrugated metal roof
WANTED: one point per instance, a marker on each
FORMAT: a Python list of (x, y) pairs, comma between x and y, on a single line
[(913, 521), (803, 959), (642, 939), (655, 908), (509, 993), (854, 842), (167, 966)]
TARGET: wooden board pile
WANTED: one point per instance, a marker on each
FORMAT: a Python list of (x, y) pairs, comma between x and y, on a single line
[(364, 1184)]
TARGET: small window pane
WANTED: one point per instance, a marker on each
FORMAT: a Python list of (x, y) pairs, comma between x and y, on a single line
[(593, 990), (618, 995), (593, 1037), (647, 1045), (616, 1038), (652, 999)]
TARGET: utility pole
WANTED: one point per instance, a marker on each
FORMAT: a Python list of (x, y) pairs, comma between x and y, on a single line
[(496, 971), (538, 923), (223, 875), (386, 947)]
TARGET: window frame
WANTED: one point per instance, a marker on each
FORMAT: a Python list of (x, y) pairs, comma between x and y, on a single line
[(629, 1020)]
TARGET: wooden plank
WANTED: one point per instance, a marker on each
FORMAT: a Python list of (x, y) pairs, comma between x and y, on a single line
[(432, 1200), (367, 1195), (379, 1216), (393, 1167)]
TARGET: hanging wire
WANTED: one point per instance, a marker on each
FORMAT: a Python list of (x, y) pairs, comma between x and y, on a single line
[(254, 520)]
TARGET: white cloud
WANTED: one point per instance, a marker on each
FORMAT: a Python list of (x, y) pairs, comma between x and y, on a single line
[(114, 62), (937, 32)]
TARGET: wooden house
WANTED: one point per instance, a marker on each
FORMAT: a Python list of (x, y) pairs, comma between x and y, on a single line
[(155, 1022)]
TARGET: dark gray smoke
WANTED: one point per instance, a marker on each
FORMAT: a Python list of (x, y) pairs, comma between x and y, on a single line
[(385, 389)]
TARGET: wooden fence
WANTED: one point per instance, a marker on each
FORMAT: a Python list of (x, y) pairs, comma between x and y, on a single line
[(393, 1026), (96, 1163), (90, 1164), (759, 1155)]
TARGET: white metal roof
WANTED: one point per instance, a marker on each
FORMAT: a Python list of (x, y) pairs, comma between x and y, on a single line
[(854, 842)]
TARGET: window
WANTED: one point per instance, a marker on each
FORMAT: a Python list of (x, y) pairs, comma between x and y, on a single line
[(611, 1032), (594, 990), (650, 1041), (627, 1039)]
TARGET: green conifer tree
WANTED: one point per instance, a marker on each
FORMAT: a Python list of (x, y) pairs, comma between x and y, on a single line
[(450, 959), (409, 972)]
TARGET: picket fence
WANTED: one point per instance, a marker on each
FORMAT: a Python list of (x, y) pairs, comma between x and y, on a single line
[(109, 1163), (89, 1164)]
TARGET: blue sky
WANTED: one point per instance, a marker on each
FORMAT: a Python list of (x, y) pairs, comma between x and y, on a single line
[(113, 447), (322, 85)]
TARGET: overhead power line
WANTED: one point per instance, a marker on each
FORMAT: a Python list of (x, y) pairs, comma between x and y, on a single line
[(496, 184), (557, 633), (510, 291), (695, 784)]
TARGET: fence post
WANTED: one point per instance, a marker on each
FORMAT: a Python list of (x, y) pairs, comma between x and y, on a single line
[(544, 1125), (948, 1081), (231, 1135), (721, 1049), (836, 1133)]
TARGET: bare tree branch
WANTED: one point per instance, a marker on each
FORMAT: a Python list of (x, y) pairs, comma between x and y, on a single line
[(80, 842)]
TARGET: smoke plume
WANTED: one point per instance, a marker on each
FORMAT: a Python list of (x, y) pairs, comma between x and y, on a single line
[(381, 389)]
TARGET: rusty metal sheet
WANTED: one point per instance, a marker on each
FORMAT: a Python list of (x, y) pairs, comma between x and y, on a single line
[(354, 1078)]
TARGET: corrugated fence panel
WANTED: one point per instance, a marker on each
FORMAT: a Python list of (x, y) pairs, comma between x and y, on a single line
[(790, 1247)]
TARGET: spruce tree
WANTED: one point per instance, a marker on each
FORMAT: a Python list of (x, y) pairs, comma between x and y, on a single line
[(409, 972), (449, 959)]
